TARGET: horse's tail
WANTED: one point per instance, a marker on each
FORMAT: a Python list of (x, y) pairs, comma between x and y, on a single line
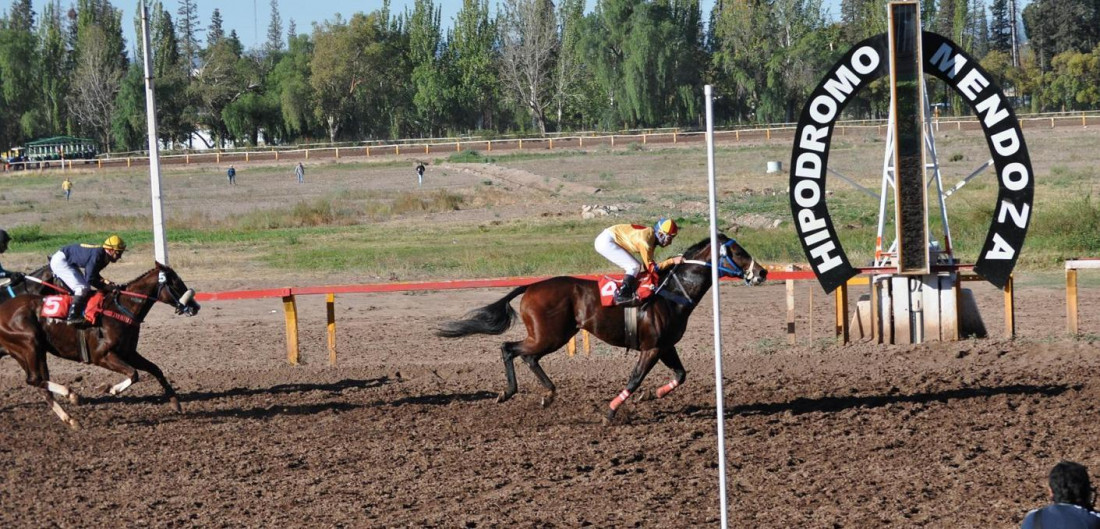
[(494, 318)]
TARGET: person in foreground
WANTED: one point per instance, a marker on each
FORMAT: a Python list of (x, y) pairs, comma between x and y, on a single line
[(1072, 498), (79, 265), (619, 242)]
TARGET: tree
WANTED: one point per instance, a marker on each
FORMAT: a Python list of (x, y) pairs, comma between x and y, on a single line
[(215, 32), (290, 83), (572, 81), (188, 36), (528, 46), (1000, 27), (471, 52), (1057, 26), (274, 30), (54, 59), (96, 82), (428, 72), (18, 85), (344, 59)]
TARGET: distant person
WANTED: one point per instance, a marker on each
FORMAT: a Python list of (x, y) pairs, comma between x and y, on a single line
[(1072, 497), (300, 172), (79, 265), (232, 174), (67, 187), (420, 174)]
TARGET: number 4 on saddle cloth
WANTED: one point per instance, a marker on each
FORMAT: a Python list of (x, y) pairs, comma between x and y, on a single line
[(647, 285), (57, 307)]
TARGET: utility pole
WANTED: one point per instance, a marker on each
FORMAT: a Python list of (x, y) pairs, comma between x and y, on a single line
[(1012, 27)]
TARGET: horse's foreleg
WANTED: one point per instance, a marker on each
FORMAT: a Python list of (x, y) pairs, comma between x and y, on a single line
[(112, 362), (645, 363), (508, 355), (551, 391), (144, 364), (672, 360), (63, 391), (38, 376)]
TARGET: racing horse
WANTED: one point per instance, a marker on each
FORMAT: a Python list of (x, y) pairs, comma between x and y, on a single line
[(38, 282), (111, 343), (554, 309)]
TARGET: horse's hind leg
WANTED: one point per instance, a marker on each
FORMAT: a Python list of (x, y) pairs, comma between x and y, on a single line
[(508, 355), (142, 363), (38, 377), (551, 391)]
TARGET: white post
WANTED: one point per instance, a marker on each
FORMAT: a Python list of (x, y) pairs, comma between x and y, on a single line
[(160, 246), (719, 394)]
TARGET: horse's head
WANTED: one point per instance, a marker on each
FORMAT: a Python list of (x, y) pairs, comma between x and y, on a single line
[(163, 284), (733, 260), (173, 291)]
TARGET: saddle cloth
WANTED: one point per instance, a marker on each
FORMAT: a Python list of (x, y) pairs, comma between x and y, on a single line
[(58, 307), (609, 286)]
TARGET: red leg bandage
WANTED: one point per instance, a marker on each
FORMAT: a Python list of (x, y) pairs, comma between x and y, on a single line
[(618, 400), (666, 389)]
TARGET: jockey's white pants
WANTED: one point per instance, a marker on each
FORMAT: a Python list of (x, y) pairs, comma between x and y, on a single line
[(607, 247), (68, 273)]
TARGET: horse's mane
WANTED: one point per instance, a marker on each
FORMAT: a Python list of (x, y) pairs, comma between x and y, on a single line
[(159, 266), (692, 250)]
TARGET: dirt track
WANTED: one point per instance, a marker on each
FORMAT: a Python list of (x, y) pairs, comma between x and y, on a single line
[(405, 431)]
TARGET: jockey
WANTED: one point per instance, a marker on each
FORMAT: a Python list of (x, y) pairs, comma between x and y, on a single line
[(619, 242), (69, 261), (14, 276)]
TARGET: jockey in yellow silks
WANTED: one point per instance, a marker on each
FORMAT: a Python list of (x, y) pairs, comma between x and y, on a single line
[(620, 242)]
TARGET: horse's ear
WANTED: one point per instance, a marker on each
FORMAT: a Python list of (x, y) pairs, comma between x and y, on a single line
[(159, 265)]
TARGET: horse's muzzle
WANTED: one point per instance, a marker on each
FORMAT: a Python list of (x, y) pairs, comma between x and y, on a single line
[(187, 305)]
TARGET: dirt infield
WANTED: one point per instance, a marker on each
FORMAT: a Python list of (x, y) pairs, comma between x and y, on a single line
[(405, 431)]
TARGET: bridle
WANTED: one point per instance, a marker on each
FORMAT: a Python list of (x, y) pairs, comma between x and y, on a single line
[(182, 302), (726, 266)]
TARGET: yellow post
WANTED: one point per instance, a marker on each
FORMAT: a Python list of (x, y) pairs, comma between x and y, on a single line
[(768, 133), (551, 144), (368, 150), (489, 146), (307, 154), (246, 156), (737, 135), (581, 140), (571, 347), (290, 310), (218, 157), (331, 302), (337, 153), (1010, 310), (643, 139), (842, 314), (127, 162), (187, 159), (425, 148), (458, 146), (521, 144), (612, 140), (1071, 300), (276, 156), (587, 343)]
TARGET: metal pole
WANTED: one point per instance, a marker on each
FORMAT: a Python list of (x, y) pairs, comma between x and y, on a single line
[(160, 246), (719, 394)]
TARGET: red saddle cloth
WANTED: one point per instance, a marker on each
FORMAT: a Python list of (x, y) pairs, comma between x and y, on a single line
[(609, 286), (58, 307)]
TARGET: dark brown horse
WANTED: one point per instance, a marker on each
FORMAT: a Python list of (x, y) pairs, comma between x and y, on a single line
[(554, 309), (111, 343), (38, 282)]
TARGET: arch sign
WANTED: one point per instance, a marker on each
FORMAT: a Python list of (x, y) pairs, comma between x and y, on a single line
[(864, 63)]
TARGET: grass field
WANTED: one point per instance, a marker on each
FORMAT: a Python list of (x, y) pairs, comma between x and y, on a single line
[(362, 222)]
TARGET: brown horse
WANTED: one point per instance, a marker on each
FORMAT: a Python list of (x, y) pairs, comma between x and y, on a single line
[(38, 282), (111, 344), (554, 309)]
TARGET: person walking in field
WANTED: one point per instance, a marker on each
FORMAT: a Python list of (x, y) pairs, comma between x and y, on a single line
[(67, 187), (232, 174), (420, 174), (300, 172)]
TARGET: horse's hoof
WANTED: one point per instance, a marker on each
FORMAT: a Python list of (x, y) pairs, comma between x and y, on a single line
[(643, 395), (73, 424), (104, 388), (503, 397), (74, 398), (547, 400), (175, 403)]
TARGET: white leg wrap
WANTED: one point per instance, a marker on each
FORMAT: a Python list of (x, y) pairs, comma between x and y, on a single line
[(61, 413), (58, 389), (121, 386)]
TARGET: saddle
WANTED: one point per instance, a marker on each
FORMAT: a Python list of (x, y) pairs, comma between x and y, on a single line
[(609, 286)]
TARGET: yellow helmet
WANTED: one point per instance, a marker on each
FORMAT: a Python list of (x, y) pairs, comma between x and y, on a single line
[(114, 242)]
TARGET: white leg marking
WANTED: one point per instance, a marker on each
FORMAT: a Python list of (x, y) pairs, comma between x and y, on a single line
[(58, 389), (61, 413), (121, 386)]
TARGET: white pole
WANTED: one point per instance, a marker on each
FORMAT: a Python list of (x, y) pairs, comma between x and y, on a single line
[(719, 394), (160, 246)]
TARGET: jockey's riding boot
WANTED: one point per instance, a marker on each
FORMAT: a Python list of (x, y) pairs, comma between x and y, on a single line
[(76, 309), (627, 290)]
